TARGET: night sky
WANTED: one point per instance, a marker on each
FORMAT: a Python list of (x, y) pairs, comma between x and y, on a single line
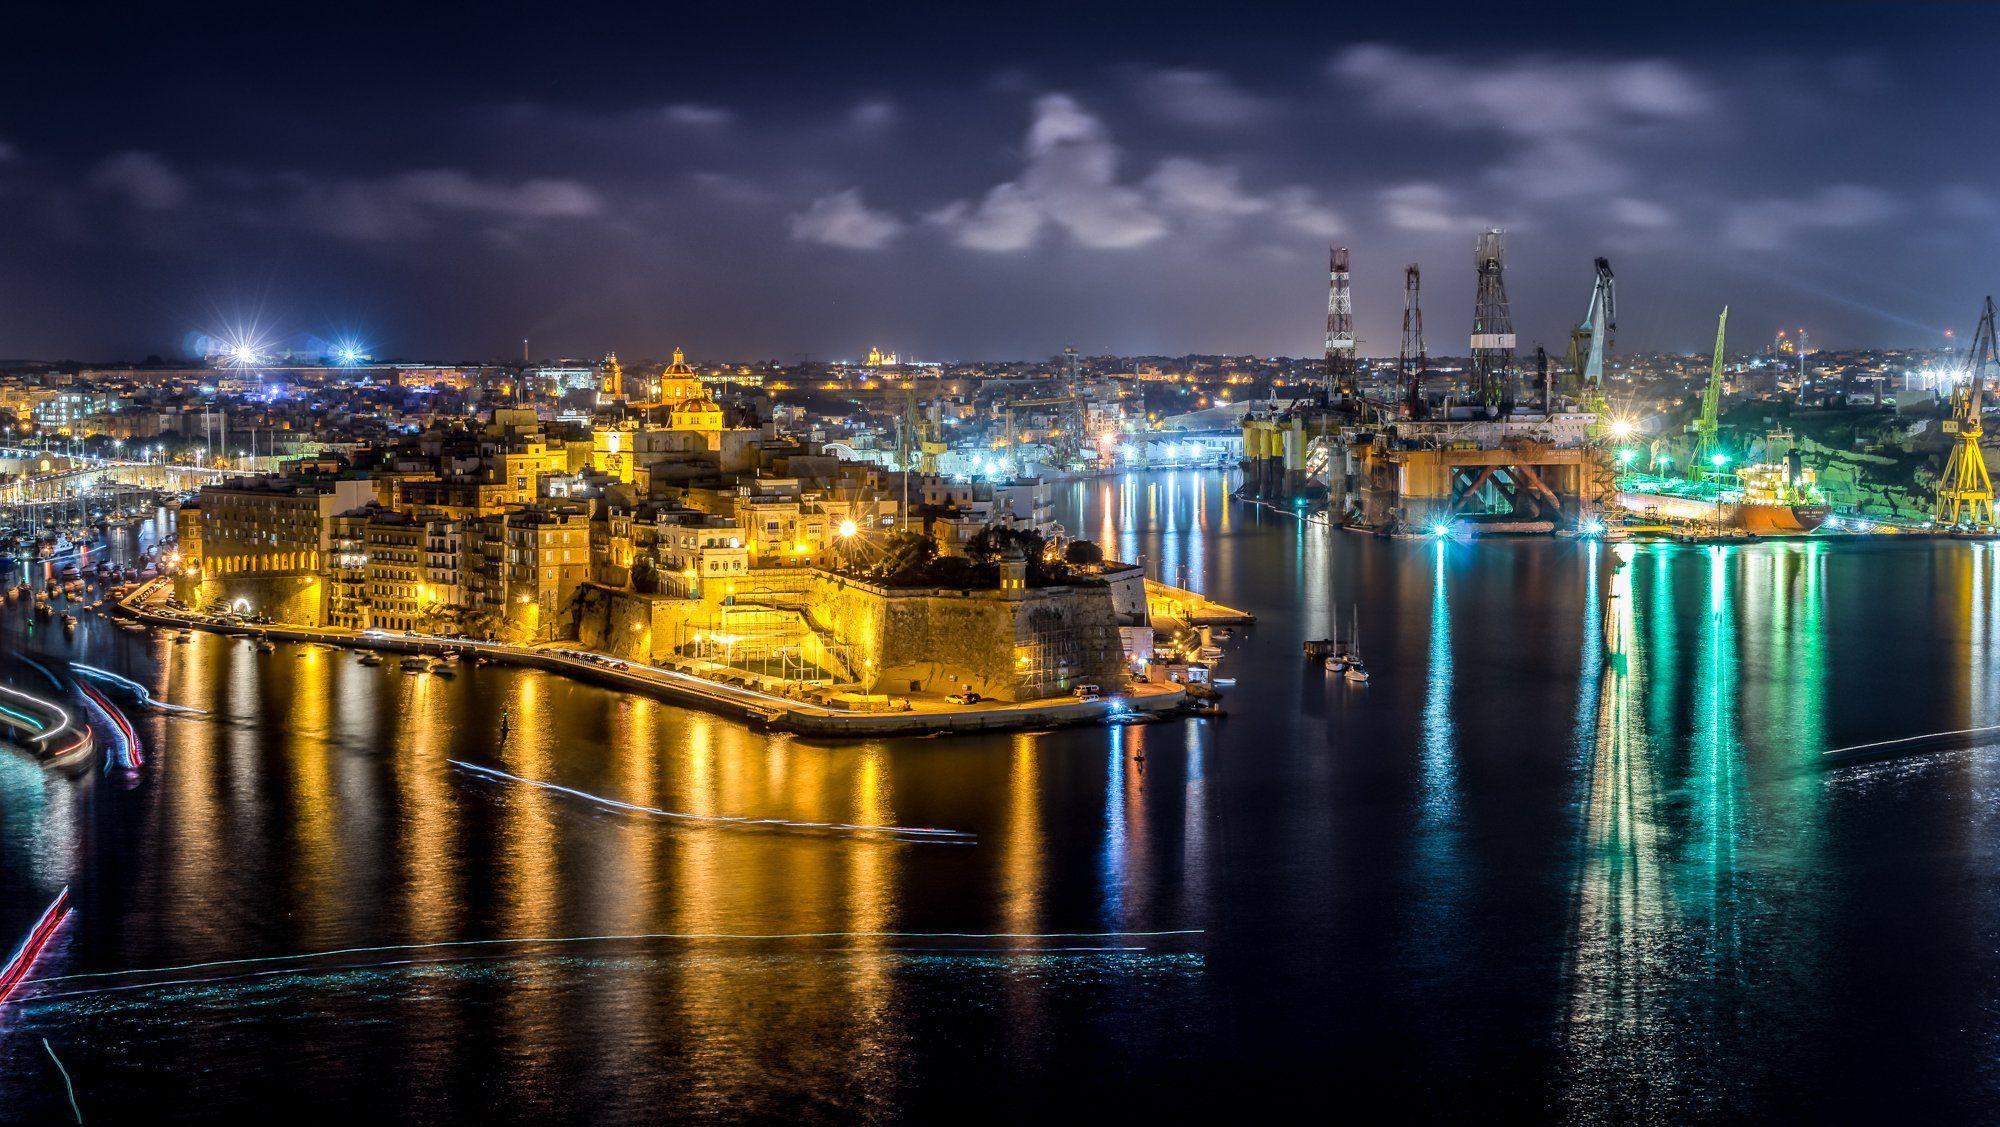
[(985, 182)]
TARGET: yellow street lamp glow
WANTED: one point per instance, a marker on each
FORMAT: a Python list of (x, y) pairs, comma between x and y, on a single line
[(1621, 428), (847, 529)]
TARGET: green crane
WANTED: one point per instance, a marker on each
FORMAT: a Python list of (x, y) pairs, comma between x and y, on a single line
[(1707, 430)]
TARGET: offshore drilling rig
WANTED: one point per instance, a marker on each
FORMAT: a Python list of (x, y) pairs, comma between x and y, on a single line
[(1494, 457)]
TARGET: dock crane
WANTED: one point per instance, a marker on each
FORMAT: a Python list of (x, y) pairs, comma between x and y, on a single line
[(1965, 493), (1590, 340), (1707, 430)]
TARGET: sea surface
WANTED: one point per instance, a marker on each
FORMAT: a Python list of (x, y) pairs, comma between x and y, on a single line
[(1589, 846)]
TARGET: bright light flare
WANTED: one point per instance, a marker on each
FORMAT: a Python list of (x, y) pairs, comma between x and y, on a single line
[(347, 352)]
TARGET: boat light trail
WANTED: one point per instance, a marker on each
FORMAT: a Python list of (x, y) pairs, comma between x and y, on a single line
[(1912, 739), (16, 970), (38, 702), (128, 753), (924, 833), (44, 671), (68, 1084), (140, 691), (629, 937)]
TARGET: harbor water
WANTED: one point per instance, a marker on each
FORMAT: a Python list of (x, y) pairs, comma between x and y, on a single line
[(1580, 850)]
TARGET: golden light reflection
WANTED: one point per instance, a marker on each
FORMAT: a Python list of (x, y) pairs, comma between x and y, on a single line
[(1620, 900), (527, 845), (315, 861), (1021, 844)]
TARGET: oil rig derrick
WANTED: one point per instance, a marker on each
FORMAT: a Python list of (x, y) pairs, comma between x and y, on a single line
[(1492, 327), (1340, 379), (1420, 466), (1965, 493), (1411, 362)]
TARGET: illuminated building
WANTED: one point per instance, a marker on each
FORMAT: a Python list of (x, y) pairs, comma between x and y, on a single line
[(265, 541), (522, 568), (611, 379), (699, 415), (443, 562), (678, 382), (558, 380), (611, 452), (416, 378), (394, 545)]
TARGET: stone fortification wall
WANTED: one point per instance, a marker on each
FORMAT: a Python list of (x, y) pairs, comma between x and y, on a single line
[(1009, 645)]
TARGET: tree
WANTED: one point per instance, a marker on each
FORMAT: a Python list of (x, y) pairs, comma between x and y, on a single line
[(989, 544), (1083, 553)]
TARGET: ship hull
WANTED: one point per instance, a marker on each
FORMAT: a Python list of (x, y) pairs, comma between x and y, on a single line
[(1757, 518)]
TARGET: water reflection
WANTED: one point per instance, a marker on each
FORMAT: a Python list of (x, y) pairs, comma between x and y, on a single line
[(1646, 917), (1618, 970), (1440, 735)]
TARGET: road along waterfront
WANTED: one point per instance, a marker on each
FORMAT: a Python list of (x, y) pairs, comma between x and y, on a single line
[(1508, 866)]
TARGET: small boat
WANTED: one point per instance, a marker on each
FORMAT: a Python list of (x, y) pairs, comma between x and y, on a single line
[(265, 645), (416, 665), (1335, 664), (370, 658), (68, 621), (1355, 674), (444, 669), (182, 638)]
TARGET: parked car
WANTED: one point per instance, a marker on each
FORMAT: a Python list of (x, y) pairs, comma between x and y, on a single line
[(967, 697)]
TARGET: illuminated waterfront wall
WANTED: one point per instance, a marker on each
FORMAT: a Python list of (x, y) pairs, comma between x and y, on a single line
[(1011, 645)]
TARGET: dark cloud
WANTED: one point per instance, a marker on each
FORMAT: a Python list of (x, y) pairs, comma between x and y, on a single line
[(141, 179), (1130, 180), (841, 219)]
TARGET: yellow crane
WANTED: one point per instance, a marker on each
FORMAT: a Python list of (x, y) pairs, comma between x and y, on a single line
[(1965, 493)]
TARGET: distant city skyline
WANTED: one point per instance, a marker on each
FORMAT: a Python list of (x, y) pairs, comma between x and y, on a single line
[(1130, 182)]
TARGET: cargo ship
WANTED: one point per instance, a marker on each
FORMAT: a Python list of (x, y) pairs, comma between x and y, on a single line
[(1780, 498)]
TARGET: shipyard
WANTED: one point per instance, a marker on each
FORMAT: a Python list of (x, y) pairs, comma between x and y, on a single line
[(1494, 448)]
